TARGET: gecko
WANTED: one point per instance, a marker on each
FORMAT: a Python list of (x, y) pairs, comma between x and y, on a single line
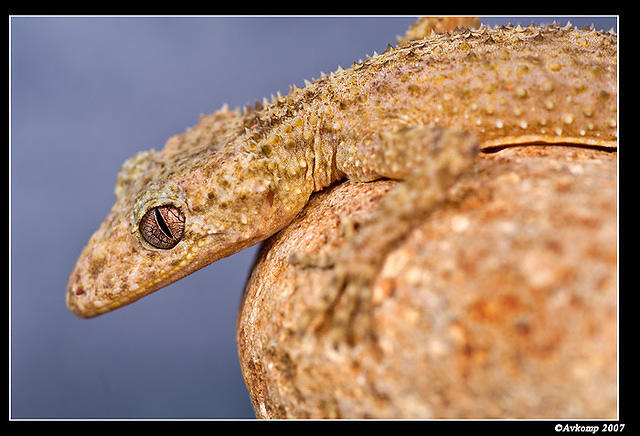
[(419, 113)]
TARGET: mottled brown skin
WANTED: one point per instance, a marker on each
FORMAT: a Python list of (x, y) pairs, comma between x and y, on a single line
[(423, 26), (239, 177)]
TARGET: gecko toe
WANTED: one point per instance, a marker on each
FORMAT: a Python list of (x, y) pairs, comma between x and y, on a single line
[(343, 313), (303, 260)]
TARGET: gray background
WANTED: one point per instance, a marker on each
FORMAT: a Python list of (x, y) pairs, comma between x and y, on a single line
[(87, 93)]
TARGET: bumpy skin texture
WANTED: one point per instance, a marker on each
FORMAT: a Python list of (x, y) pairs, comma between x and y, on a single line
[(239, 177), (423, 26)]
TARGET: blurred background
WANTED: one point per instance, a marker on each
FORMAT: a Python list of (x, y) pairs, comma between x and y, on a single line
[(86, 94)]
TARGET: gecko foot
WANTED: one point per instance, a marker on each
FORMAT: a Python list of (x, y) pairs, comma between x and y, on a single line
[(303, 260), (344, 311), (348, 227)]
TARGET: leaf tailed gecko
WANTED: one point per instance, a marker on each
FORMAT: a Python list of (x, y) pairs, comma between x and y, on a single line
[(418, 113)]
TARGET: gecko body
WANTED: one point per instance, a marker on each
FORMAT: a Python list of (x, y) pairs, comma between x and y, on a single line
[(417, 112)]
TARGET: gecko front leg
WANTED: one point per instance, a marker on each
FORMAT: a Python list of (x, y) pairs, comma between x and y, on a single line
[(428, 160)]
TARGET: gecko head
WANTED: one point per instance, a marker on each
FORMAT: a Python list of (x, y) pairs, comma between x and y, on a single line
[(170, 219)]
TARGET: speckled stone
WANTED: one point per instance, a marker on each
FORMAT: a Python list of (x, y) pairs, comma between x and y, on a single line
[(501, 304)]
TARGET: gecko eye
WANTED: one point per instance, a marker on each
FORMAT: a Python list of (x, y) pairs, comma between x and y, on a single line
[(162, 226)]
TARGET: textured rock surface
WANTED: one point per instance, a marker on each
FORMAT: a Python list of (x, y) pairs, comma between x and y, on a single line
[(501, 304)]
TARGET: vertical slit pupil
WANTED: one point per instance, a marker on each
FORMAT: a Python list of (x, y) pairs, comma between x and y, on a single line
[(162, 223)]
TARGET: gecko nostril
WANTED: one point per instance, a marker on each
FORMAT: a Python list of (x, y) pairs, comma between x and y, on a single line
[(78, 291)]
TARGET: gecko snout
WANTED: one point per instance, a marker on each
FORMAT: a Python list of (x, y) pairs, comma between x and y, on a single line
[(74, 293)]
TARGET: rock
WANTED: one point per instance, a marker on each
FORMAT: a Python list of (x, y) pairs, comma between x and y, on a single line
[(501, 304)]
